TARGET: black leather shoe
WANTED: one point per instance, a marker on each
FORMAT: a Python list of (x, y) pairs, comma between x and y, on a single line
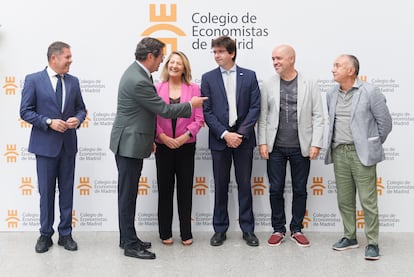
[(217, 239), (139, 253), (143, 244), (251, 239), (43, 243), (68, 243)]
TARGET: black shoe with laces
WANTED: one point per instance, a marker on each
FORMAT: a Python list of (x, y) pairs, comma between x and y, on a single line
[(68, 243), (43, 243)]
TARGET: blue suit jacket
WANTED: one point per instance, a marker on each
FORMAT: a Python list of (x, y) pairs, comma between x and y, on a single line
[(216, 109), (39, 103)]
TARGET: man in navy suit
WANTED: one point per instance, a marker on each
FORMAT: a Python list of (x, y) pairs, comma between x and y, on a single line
[(231, 113), (52, 103)]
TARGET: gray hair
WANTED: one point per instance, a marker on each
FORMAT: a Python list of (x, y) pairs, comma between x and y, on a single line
[(355, 63)]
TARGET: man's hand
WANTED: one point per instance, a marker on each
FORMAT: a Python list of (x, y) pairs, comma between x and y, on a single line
[(197, 101), (72, 123), (233, 140), (58, 125), (314, 152), (264, 153)]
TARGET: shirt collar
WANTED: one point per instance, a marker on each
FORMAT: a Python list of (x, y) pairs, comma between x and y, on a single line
[(232, 69), (145, 69), (357, 84), (51, 72)]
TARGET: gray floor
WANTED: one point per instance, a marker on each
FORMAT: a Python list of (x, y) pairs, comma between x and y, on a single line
[(99, 255)]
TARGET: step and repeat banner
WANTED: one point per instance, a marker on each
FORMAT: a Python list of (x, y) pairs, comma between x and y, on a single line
[(103, 37)]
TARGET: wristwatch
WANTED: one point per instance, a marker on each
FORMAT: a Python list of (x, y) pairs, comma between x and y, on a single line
[(48, 121), (189, 134)]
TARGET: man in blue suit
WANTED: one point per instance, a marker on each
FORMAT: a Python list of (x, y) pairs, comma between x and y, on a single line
[(231, 114), (359, 123), (52, 103)]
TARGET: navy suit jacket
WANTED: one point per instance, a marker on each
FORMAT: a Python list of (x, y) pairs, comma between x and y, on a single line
[(39, 103), (216, 109)]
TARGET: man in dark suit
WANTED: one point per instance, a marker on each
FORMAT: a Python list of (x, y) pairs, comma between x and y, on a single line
[(231, 113), (52, 103), (132, 135)]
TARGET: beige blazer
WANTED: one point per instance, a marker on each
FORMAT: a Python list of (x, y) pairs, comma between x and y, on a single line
[(309, 113)]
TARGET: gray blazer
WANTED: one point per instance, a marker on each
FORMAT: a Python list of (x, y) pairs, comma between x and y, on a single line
[(133, 130), (371, 122), (309, 113)]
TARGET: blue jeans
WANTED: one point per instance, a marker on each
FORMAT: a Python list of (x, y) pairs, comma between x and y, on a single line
[(276, 171)]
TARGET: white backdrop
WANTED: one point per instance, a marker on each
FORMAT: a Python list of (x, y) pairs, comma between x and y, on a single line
[(103, 36)]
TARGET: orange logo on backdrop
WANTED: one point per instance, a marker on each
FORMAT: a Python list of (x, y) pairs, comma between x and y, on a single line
[(306, 220), (11, 153), (143, 186), (74, 219), (200, 186), (258, 186), (12, 219), (164, 17), (10, 86), (84, 186), (85, 123), (380, 186), (26, 186), (24, 124), (360, 219), (317, 186)]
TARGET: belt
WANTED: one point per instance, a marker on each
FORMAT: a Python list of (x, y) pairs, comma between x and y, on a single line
[(346, 146)]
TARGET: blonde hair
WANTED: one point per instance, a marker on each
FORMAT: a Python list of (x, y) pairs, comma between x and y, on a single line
[(186, 76)]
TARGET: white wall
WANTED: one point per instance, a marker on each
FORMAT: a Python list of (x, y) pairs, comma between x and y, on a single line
[(103, 36)]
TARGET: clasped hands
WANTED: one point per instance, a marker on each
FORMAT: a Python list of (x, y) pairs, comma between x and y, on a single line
[(233, 140), (173, 143), (61, 126)]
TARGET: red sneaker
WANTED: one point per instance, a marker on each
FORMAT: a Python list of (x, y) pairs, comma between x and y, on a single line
[(300, 239), (276, 239)]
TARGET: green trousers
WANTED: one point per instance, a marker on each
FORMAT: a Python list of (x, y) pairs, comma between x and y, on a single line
[(352, 176)]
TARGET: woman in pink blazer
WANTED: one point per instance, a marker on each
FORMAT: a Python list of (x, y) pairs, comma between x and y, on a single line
[(176, 144)]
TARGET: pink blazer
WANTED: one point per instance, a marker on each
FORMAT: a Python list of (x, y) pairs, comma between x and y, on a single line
[(192, 124)]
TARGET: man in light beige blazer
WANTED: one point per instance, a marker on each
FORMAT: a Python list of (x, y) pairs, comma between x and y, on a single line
[(290, 128)]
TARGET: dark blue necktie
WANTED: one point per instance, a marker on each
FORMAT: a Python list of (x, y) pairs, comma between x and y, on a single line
[(59, 92)]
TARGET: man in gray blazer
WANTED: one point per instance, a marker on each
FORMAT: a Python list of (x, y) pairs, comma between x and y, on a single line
[(290, 128), (359, 123), (132, 135)]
